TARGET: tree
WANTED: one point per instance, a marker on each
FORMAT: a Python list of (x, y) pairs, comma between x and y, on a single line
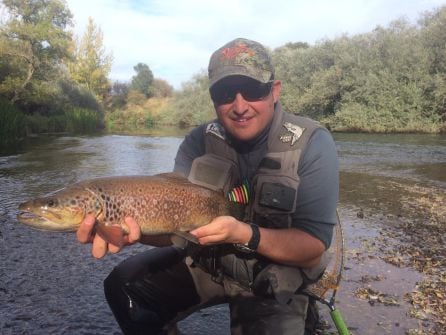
[(434, 41), (143, 80), (192, 104), (33, 44), (91, 65), (161, 88), (118, 95)]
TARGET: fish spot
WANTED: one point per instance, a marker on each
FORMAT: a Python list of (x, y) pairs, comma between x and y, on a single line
[(176, 217), (165, 206)]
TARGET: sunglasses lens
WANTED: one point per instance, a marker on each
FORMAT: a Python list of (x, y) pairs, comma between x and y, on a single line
[(256, 92), (251, 92), (223, 95)]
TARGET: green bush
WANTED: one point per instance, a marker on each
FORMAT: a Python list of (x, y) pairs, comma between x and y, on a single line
[(12, 126), (354, 117), (192, 105), (149, 122), (82, 120), (57, 123), (37, 123)]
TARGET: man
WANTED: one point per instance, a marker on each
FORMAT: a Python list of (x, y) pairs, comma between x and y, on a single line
[(283, 167)]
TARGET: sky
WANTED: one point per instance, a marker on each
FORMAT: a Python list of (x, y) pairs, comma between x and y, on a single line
[(176, 38)]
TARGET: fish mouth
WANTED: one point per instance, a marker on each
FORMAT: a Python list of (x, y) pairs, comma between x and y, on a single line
[(50, 213), (32, 218), (42, 222)]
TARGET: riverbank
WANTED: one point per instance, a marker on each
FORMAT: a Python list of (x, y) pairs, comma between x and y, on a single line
[(395, 279)]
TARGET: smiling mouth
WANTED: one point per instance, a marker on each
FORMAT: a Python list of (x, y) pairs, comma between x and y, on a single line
[(242, 120)]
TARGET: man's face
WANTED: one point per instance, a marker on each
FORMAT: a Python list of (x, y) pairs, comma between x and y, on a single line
[(244, 106)]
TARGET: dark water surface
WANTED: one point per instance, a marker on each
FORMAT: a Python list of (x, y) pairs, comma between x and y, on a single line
[(49, 283)]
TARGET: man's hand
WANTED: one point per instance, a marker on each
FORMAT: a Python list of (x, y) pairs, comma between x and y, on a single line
[(85, 234), (223, 229), (289, 246)]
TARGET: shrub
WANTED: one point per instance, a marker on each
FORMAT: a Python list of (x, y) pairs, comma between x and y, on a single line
[(37, 123), (82, 120), (12, 126)]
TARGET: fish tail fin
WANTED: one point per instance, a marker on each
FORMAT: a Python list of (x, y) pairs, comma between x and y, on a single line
[(111, 234)]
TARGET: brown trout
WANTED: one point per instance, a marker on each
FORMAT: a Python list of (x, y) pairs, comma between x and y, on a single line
[(161, 204)]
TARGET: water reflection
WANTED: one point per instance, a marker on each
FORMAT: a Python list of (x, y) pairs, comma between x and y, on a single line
[(410, 156)]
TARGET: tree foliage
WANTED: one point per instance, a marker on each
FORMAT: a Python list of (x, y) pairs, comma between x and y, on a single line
[(161, 88), (91, 64), (34, 43), (118, 95), (390, 79), (143, 80), (192, 105)]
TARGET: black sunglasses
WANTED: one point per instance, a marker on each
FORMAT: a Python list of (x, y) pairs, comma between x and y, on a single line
[(252, 91)]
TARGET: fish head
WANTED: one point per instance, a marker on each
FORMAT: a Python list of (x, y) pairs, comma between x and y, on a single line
[(61, 211)]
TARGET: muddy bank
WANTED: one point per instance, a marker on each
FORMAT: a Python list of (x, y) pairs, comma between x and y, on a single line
[(394, 278)]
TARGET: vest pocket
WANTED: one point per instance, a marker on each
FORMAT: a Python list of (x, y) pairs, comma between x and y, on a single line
[(275, 194)]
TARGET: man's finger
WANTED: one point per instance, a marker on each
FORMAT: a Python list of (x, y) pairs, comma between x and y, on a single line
[(99, 248), (114, 249), (85, 230), (134, 230)]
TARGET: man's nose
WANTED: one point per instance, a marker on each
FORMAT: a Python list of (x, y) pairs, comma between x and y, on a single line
[(240, 105)]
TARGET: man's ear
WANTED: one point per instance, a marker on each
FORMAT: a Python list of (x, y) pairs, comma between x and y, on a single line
[(276, 89)]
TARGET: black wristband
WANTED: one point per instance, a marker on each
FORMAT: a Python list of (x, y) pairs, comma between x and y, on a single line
[(253, 242)]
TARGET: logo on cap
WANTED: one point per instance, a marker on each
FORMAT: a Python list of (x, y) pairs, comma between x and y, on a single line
[(232, 53)]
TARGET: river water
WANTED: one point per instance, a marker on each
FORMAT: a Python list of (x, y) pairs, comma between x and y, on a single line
[(49, 283)]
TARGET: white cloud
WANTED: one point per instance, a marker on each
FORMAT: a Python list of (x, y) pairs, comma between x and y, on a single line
[(175, 38)]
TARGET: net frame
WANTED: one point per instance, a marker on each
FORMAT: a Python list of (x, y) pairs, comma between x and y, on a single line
[(332, 276)]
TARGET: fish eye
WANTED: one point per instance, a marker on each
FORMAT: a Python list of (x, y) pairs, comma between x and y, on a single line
[(51, 203)]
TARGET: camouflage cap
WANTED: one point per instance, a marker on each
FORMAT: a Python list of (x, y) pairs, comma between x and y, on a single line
[(241, 57)]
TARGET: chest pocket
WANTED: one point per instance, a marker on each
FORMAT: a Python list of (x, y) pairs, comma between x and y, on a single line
[(214, 172), (275, 187)]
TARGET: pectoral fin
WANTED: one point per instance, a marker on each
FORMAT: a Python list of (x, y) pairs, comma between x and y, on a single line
[(187, 236), (111, 234)]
